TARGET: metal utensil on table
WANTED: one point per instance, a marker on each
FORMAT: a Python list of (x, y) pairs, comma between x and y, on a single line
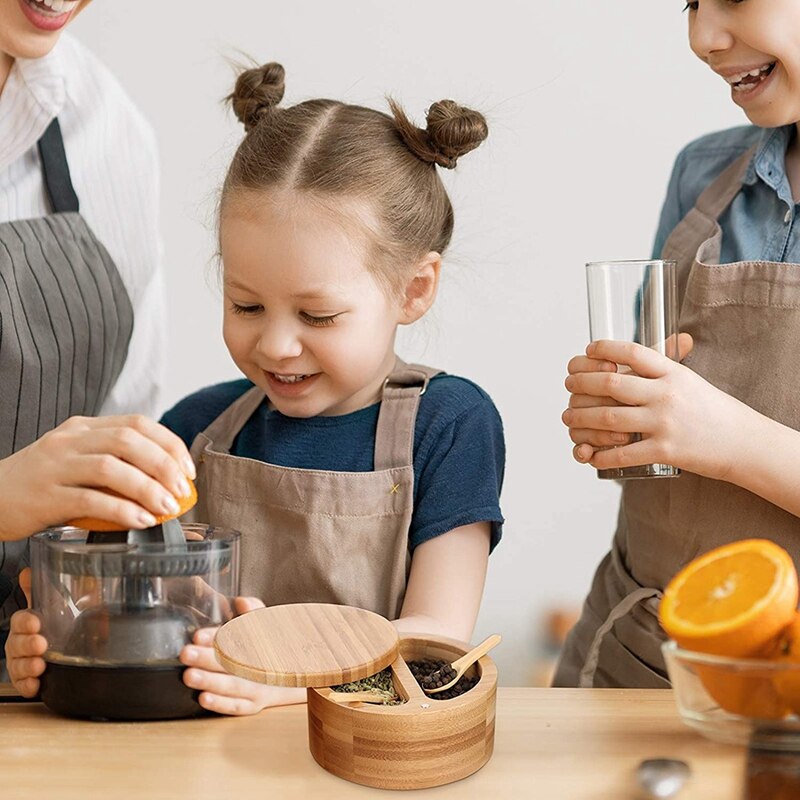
[(448, 675), (661, 778)]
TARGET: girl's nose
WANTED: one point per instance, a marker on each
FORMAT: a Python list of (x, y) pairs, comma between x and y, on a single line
[(709, 30), (279, 341)]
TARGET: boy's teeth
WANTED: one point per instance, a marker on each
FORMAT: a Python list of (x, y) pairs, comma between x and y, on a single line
[(289, 378), (753, 73)]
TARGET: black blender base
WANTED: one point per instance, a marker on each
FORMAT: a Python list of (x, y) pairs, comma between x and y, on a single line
[(118, 693)]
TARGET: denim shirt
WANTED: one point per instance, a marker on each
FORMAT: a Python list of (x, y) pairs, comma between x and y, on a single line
[(761, 223)]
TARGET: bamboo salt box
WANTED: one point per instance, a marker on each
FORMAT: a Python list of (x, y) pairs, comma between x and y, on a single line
[(420, 743)]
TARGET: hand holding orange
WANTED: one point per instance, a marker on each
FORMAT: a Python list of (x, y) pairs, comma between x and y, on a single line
[(93, 524)]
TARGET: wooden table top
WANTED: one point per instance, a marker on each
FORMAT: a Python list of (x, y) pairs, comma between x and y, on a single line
[(550, 743)]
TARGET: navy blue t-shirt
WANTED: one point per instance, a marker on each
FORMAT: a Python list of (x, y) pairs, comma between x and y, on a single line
[(459, 450)]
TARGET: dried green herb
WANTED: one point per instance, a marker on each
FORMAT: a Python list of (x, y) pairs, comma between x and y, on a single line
[(379, 682)]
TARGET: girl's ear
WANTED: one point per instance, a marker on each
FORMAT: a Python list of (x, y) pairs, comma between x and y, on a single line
[(420, 291)]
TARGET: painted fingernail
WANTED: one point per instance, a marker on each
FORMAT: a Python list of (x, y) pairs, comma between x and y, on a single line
[(170, 504), (145, 519), (189, 468)]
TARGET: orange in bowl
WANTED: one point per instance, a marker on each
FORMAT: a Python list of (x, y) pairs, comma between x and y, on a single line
[(94, 524), (732, 601), (735, 601), (787, 682)]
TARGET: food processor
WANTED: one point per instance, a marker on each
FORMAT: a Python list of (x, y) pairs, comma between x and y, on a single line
[(117, 607)]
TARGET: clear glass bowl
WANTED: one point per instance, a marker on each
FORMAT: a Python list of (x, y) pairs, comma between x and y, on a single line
[(752, 702)]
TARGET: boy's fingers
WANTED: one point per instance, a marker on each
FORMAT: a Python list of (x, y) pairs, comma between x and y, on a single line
[(598, 438), (586, 364)]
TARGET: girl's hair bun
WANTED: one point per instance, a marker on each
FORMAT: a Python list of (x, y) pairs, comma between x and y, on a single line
[(257, 91), (452, 130)]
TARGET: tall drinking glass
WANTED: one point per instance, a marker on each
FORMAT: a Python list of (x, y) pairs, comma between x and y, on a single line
[(635, 301)]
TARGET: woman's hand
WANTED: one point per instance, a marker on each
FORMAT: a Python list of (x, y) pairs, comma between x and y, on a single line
[(25, 646), (221, 691), (683, 420), (61, 475)]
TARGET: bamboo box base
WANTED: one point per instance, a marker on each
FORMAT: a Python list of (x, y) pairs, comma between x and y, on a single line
[(421, 743)]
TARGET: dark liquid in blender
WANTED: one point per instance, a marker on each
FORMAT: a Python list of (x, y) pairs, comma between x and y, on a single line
[(118, 692)]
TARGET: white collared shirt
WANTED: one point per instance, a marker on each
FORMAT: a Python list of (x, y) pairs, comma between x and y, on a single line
[(113, 161)]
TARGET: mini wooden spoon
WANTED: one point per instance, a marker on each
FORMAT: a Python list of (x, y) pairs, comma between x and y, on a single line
[(366, 696), (452, 672)]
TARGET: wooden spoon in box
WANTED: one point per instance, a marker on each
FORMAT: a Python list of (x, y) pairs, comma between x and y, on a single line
[(448, 675)]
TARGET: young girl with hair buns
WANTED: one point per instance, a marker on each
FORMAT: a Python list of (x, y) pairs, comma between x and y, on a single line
[(354, 478)]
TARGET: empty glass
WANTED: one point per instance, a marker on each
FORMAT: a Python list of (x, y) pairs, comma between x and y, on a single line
[(635, 301)]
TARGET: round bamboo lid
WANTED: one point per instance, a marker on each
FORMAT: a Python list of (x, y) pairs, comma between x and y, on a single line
[(306, 644)]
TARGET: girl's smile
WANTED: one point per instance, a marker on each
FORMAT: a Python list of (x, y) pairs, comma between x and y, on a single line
[(290, 386), (305, 318)]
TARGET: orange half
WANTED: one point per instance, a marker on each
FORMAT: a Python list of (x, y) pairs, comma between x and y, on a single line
[(94, 524), (733, 601)]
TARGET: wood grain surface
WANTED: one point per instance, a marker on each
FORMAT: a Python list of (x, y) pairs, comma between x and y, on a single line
[(553, 744), (306, 644), (421, 743)]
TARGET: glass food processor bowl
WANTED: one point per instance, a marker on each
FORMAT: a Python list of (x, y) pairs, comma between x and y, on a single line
[(117, 614)]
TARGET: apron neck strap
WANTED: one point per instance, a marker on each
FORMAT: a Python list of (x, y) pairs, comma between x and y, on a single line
[(394, 437), (719, 194), (225, 428), (57, 179)]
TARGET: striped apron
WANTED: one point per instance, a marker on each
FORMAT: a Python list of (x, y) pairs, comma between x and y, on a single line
[(65, 323)]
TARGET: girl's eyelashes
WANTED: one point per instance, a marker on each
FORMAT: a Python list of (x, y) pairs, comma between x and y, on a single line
[(319, 322), (240, 309)]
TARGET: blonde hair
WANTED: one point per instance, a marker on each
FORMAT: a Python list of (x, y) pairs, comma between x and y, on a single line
[(331, 149)]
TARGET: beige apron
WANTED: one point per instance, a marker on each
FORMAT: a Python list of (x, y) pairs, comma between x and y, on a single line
[(746, 328), (318, 536)]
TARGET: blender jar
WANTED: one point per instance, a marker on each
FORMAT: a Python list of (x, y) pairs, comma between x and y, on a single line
[(116, 617)]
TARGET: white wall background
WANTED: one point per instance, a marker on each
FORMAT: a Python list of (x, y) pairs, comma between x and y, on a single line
[(588, 102)]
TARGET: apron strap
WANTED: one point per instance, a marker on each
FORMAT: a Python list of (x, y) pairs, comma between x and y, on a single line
[(394, 437), (586, 678), (57, 180), (225, 428), (719, 194)]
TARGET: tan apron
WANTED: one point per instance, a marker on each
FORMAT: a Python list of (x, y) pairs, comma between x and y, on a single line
[(746, 328), (318, 536)]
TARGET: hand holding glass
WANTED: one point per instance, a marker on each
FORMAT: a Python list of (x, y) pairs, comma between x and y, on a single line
[(635, 301)]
